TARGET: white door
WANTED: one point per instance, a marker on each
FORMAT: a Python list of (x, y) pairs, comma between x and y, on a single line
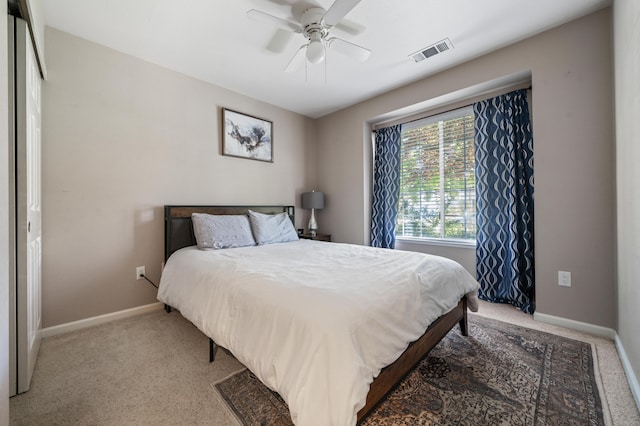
[(28, 202)]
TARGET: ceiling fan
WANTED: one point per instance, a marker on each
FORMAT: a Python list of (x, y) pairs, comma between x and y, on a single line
[(315, 24)]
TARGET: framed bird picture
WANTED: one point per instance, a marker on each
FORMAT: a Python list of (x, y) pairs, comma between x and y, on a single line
[(246, 136)]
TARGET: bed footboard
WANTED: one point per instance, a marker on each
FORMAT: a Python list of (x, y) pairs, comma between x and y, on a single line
[(391, 375), (463, 321)]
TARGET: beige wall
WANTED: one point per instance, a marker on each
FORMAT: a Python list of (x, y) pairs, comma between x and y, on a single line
[(465, 256), (4, 223), (627, 89), (121, 138), (574, 174)]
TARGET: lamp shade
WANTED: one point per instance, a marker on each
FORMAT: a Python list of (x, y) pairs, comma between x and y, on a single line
[(313, 200)]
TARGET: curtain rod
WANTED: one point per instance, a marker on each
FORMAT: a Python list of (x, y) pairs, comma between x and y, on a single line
[(459, 104), (438, 113), (457, 108)]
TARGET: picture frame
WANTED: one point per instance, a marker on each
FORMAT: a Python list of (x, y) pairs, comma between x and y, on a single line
[(246, 136)]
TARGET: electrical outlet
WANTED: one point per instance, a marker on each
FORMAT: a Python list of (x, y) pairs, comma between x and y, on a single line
[(564, 279), (139, 272)]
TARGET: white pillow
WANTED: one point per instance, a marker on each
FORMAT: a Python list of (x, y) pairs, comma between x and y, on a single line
[(272, 228), (221, 231)]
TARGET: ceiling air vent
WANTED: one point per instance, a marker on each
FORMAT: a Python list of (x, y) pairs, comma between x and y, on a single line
[(434, 49)]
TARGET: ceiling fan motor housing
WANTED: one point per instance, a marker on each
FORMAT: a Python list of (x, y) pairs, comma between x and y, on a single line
[(312, 21)]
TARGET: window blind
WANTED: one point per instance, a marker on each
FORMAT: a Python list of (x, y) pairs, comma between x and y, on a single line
[(437, 178)]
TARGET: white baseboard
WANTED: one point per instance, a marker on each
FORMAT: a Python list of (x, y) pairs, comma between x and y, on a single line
[(628, 369), (101, 319), (596, 330)]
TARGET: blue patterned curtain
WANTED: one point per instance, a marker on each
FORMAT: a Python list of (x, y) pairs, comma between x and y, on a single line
[(504, 191), (386, 187)]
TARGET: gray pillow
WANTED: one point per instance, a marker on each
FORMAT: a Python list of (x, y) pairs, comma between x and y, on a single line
[(221, 231), (272, 228)]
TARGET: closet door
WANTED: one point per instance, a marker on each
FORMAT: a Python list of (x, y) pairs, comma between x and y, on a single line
[(28, 206)]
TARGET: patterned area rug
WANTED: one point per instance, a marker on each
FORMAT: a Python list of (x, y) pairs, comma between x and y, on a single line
[(499, 374)]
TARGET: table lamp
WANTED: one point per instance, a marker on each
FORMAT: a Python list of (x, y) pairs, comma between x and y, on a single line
[(313, 200)]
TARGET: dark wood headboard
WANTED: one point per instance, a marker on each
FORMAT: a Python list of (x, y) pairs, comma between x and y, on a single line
[(178, 229)]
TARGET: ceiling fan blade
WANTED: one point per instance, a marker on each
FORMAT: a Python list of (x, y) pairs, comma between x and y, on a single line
[(349, 49), (279, 41), (338, 10), (258, 15), (297, 60), (349, 27)]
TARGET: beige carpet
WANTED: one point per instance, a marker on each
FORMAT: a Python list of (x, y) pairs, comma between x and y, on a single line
[(147, 370), (154, 369)]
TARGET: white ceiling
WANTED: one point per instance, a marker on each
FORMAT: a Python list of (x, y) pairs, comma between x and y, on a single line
[(213, 40)]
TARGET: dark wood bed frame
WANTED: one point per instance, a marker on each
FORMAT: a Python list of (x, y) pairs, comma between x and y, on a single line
[(179, 234)]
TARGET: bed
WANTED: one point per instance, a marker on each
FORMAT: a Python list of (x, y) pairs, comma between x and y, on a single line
[(325, 331)]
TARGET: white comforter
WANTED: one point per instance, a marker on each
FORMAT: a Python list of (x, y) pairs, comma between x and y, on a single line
[(314, 321)]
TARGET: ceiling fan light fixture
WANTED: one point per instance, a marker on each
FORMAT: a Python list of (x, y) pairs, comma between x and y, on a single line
[(315, 51)]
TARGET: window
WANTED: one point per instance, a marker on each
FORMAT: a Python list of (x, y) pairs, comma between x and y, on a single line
[(437, 178)]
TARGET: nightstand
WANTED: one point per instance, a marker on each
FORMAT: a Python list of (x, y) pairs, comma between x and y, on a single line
[(318, 237)]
